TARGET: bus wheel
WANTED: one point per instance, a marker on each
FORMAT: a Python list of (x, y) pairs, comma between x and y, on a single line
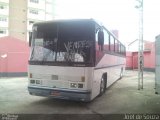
[(102, 86)]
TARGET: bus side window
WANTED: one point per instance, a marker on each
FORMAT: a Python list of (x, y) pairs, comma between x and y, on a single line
[(118, 47), (101, 39), (106, 41), (111, 43)]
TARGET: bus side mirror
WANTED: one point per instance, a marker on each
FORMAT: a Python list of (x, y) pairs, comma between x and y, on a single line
[(30, 38)]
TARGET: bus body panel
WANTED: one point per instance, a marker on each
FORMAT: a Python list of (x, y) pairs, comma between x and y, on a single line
[(50, 79), (107, 65), (67, 61), (67, 94)]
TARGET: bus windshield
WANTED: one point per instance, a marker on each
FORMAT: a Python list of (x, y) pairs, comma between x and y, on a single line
[(66, 42)]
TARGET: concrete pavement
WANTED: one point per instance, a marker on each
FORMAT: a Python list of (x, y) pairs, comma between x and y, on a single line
[(121, 98)]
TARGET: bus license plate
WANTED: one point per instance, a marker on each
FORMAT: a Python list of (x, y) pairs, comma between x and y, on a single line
[(55, 93)]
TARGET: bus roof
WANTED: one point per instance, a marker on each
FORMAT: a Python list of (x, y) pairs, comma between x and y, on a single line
[(63, 20)]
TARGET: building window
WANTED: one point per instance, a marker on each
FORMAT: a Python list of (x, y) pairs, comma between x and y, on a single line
[(3, 19), (2, 7), (34, 12), (49, 1), (34, 1), (2, 31), (31, 22)]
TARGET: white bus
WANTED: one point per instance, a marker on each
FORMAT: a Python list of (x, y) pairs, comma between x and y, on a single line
[(73, 59)]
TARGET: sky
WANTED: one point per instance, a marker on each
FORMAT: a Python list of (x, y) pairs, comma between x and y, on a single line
[(114, 14)]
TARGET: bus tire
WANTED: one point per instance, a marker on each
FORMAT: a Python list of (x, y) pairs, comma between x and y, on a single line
[(103, 85)]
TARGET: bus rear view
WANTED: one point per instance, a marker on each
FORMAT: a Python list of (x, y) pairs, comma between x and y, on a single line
[(74, 59), (61, 59)]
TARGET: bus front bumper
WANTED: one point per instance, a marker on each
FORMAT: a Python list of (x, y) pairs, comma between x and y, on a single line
[(77, 95)]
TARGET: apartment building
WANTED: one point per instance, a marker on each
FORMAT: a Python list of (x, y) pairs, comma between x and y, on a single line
[(18, 16), (4, 17)]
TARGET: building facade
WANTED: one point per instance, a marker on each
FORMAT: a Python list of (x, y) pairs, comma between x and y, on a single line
[(18, 16), (4, 17)]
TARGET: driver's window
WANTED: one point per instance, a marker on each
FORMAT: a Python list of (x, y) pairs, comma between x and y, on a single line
[(99, 39)]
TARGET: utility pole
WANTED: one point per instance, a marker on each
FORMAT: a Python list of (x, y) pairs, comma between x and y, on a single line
[(140, 52)]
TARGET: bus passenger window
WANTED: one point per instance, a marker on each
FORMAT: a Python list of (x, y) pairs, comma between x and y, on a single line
[(111, 43), (121, 49), (106, 41), (116, 46), (101, 39)]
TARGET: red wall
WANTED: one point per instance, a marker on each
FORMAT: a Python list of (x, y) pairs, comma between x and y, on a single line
[(149, 57), (135, 60), (129, 63), (17, 52)]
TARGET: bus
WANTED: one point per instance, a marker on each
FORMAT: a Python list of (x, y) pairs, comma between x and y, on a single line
[(75, 59)]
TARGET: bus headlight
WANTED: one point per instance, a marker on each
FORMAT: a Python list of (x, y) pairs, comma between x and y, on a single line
[(76, 85), (73, 85)]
